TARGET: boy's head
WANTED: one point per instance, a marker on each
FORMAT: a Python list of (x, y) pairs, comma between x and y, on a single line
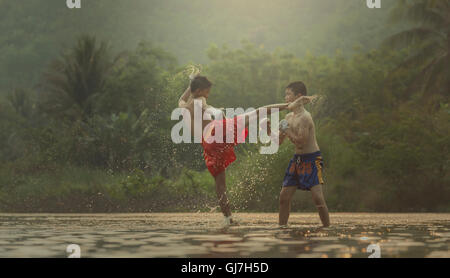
[(200, 86), (294, 91)]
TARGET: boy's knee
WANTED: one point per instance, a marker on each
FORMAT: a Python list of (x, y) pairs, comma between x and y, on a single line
[(321, 206), (319, 202)]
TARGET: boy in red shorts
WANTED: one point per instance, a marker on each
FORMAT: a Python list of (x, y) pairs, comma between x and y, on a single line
[(218, 155)]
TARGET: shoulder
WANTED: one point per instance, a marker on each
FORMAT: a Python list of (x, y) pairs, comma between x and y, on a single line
[(183, 104), (306, 118), (200, 102), (214, 111)]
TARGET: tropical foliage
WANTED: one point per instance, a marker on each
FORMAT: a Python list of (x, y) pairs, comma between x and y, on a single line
[(90, 131), (429, 39)]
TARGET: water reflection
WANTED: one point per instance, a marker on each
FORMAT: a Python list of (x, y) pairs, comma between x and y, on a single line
[(201, 235)]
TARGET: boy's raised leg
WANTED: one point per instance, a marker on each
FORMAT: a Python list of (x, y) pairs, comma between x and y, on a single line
[(319, 201), (285, 204)]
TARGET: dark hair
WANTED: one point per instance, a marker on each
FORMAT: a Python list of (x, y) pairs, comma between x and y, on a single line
[(200, 83), (298, 88)]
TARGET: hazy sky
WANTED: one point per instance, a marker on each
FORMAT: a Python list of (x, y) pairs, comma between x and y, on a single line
[(33, 32)]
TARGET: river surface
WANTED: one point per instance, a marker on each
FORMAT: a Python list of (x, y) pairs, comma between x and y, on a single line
[(202, 235)]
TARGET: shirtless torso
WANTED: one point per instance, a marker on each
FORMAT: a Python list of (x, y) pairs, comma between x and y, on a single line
[(202, 106), (301, 131), (305, 169), (217, 156)]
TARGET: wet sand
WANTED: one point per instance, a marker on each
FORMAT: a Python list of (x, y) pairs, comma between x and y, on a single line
[(202, 235)]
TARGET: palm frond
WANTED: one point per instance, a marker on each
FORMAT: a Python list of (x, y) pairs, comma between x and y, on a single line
[(422, 77), (433, 13), (438, 75), (427, 14), (78, 75), (422, 57), (411, 36)]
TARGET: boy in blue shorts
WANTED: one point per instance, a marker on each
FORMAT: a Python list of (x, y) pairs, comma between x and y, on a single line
[(305, 168)]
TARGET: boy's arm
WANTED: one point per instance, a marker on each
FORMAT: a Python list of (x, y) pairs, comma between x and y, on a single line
[(279, 106), (184, 98), (302, 101), (281, 137), (284, 125), (278, 137), (280, 134), (182, 102), (253, 114)]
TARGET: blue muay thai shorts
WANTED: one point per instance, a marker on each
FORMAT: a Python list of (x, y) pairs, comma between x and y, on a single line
[(304, 171)]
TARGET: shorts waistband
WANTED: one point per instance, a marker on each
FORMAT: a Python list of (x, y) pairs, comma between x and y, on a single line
[(308, 156)]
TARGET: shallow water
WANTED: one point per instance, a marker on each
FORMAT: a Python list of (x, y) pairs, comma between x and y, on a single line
[(202, 235)]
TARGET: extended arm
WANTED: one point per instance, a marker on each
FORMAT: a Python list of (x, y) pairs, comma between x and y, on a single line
[(184, 98), (302, 101), (182, 102), (280, 106), (257, 112)]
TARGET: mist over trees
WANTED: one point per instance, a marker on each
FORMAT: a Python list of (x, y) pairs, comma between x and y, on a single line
[(33, 34), (86, 97)]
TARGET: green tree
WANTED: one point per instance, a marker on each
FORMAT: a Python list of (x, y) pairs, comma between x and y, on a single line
[(21, 101), (76, 78), (430, 40)]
